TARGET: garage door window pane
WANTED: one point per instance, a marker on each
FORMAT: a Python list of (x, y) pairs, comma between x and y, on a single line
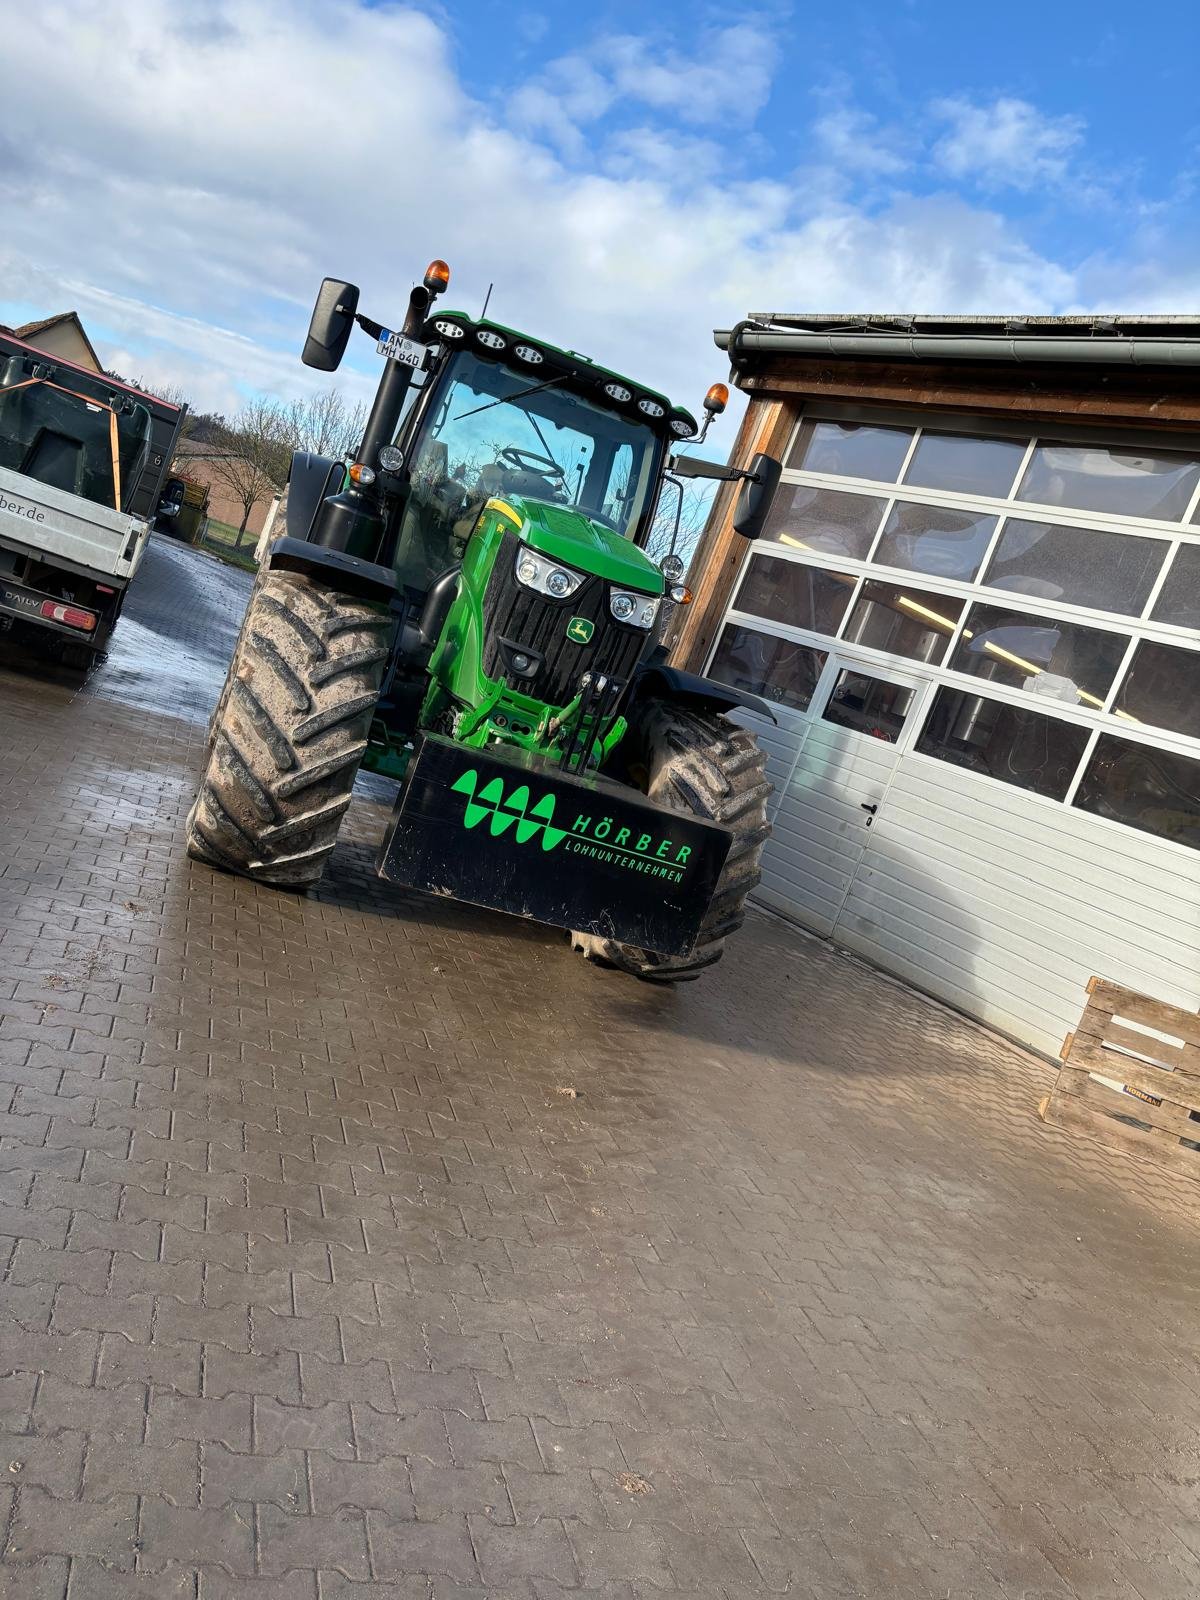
[(1121, 483), (1046, 656), (1008, 743), (777, 669), (851, 450), (795, 593), (964, 464), (1179, 598), (903, 620), (1152, 790), (1162, 688), (869, 705), (935, 539), (1080, 566), (828, 521)]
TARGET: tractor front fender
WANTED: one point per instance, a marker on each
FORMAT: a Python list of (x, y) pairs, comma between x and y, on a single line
[(346, 574), (658, 681)]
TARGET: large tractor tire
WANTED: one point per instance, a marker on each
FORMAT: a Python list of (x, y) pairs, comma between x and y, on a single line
[(218, 711), (289, 732), (700, 762), (260, 577)]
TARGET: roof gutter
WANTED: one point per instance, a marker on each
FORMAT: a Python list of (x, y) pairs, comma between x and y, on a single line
[(748, 339)]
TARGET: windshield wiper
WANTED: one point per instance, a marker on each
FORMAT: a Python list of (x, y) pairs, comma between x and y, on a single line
[(505, 398)]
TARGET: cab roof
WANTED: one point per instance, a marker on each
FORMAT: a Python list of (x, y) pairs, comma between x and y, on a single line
[(546, 359)]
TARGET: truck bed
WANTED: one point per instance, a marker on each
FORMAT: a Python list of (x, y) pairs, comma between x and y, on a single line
[(68, 531)]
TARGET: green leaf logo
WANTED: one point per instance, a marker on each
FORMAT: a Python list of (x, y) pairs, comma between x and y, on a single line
[(580, 629), (503, 812)]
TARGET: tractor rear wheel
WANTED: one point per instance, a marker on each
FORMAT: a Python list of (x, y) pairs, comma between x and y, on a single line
[(289, 732), (695, 761)]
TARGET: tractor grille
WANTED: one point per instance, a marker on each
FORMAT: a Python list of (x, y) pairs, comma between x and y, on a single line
[(540, 623)]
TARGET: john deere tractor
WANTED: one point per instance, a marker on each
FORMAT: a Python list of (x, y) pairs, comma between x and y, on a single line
[(468, 607)]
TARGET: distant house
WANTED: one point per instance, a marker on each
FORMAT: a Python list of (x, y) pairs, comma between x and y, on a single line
[(63, 336), (193, 463)]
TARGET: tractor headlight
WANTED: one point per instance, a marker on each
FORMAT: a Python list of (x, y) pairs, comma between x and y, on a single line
[(547, 577), (634, 608)]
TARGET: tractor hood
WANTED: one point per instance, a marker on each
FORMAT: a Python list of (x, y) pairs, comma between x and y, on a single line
[(566, 535)]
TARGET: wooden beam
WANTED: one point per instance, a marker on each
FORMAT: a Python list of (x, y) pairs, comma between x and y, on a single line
[(1140, 398), (766, 426)]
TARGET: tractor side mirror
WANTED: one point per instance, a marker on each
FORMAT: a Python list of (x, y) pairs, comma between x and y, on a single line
[(331, 325), (758, 494)]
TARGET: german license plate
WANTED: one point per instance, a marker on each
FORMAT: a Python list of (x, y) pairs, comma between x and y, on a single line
[(406, 351)]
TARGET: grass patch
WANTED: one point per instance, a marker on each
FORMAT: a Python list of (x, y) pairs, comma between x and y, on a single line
[(220, 539), (226, 533), (232, 558)]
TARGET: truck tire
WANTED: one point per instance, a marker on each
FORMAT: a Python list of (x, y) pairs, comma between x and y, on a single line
[(78, 657), (290, 732), (695, 761)]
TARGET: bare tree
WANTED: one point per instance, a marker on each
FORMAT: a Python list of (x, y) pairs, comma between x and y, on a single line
[(326, 423), (170, 392), (253, 459)]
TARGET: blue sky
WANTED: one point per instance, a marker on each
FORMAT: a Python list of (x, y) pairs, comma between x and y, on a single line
[(629, 176)]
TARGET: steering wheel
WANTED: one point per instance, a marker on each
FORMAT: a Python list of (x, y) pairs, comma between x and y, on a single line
[(530, 461)]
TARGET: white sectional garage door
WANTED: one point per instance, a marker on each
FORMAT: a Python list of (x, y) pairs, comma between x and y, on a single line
[(987, 755)]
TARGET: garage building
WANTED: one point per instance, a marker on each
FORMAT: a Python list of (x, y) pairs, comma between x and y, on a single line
[(975, 613)]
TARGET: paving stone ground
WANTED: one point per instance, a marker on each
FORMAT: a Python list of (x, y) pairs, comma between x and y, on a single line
[(365, 1247)]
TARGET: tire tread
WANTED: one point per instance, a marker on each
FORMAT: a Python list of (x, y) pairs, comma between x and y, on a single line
[(289, 732), (701, 763)]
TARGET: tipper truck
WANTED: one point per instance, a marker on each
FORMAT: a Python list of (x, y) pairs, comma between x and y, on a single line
[(82, 457)]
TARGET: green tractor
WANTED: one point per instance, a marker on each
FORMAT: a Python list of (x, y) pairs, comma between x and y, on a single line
[(468, 607)]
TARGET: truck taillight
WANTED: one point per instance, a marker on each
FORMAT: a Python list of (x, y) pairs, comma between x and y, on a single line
[(69, 616)]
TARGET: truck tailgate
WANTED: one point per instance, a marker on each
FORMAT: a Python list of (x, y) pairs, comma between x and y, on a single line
[(57, 525)]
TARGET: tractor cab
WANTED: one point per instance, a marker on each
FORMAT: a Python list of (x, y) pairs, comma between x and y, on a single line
[(503, 417)]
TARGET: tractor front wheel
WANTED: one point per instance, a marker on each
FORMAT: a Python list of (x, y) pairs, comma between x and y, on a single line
[(289, 732), (695, 761)]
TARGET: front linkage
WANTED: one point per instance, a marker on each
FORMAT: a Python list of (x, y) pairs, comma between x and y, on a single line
[(468, 605)]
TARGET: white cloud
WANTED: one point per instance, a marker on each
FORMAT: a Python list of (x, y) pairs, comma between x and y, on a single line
[(1007, 143), (724, 80), (186, 176), (854, 143)]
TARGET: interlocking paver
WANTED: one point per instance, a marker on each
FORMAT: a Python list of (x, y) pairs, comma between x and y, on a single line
[(315, 1285)]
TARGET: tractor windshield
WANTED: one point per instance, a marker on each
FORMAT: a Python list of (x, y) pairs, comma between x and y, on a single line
[(491, 432)]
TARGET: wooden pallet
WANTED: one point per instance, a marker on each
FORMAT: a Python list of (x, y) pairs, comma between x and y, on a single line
[(1127, 1087)]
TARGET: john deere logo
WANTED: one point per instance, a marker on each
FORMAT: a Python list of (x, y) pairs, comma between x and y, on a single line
[(580, 629), (513, 809)]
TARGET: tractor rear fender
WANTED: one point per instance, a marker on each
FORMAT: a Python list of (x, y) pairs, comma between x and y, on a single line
[(311, 478), (658, 681)]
